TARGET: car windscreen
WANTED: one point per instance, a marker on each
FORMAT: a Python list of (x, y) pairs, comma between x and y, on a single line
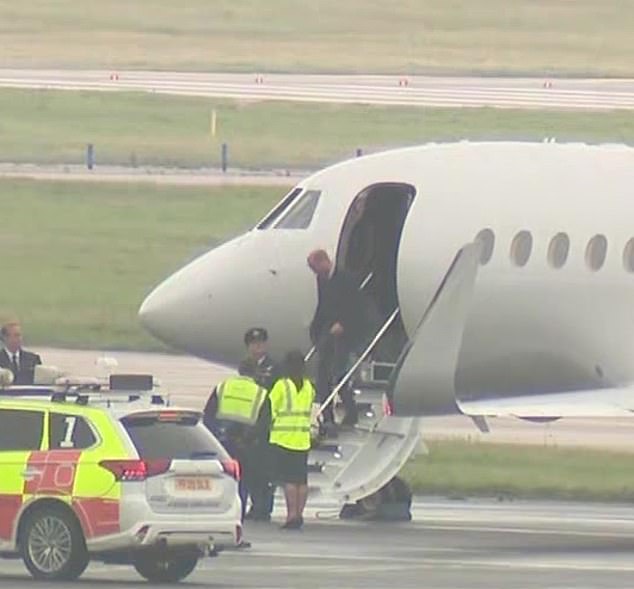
[(172, 435)]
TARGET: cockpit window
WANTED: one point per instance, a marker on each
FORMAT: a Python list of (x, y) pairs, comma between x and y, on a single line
[(279, 209), (301, 213)]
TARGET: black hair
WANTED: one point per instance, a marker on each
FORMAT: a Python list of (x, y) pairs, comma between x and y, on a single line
[(294, 365)]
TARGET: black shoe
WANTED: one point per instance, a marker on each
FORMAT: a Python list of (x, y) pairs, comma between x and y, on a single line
[(329, 430), (243, 544), (294, 524)]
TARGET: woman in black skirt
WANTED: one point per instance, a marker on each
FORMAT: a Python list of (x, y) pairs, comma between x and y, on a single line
[(291, 402)]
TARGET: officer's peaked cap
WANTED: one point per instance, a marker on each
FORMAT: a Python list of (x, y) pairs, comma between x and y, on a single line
[(255, 334)]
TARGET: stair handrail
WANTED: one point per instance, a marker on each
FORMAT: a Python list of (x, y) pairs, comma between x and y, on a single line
[(363, 284), (344, 380)]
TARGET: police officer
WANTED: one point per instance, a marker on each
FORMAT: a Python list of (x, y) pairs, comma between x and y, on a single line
[(266, 373), (233, 413)]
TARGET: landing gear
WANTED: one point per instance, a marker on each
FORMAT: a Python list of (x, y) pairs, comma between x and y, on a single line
[(390, 503)]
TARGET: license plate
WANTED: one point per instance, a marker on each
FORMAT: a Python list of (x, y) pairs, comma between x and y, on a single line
[(192, 484)]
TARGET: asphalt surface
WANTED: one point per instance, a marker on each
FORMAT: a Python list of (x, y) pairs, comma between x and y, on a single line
[(190, 380), (537, 93), (449, 545)]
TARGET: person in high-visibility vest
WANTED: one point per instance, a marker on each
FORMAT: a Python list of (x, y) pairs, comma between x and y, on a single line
[(234, 413), (291, 400)]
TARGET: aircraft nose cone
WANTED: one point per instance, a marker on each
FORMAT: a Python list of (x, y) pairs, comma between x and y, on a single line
[(189, 311), (160, 313)]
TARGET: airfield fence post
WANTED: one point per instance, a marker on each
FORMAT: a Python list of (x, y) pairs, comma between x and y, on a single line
[(224, 155), (359, 152), (90, 156)]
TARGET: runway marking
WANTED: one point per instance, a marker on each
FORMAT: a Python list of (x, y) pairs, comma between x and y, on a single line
[(533, 531), (323, 568), (459, 92), (424, 562)]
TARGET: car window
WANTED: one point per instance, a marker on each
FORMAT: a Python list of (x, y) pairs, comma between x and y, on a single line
[(182, 436), (69, 432), (21, 429)]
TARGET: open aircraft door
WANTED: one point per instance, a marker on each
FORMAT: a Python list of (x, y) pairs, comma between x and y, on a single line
[(423, 382)]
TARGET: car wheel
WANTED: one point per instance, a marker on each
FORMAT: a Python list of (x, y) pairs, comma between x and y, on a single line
[(166, 568), (52, 545)]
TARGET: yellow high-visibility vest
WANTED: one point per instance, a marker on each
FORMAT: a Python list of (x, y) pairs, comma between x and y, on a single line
[(291, 414), (240, 399)]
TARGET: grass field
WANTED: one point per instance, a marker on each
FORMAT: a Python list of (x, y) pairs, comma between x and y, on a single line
[(507, 36), (464, 469), (55, 126), (79, 258)]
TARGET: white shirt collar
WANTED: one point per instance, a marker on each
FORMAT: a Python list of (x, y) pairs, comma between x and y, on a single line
[(18, 353)]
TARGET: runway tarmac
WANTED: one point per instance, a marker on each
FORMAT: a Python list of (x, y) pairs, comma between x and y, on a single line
[(154, 175), (190, 380), (537, 93), (472, 544), (449, 545)]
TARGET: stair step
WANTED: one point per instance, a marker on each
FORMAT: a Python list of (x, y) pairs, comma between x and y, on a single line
[(364, 408), (319, 455), (333, 448), (374, 396)]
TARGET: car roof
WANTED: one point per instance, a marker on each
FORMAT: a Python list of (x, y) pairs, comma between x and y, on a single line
[(116, 404)]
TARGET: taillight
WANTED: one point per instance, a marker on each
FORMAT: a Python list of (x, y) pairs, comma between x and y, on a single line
[(388, 406), (232, 468), (135, 470)]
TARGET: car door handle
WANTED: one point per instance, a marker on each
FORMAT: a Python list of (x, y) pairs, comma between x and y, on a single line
[(31, 473)]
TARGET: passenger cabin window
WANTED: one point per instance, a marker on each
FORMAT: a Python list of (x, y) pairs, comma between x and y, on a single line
[(487, 238), (279, 209), (558, 250), (20, 430), (69, 432), (521, 248), (628, 256), (301, 213), (596, 252)]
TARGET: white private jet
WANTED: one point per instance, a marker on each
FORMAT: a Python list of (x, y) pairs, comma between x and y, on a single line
[(504, 274)]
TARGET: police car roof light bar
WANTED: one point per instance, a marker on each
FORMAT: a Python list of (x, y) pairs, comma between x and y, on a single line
[(122, 388)]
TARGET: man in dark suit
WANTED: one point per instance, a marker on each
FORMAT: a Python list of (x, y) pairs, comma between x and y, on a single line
[(20, 362), (339, 328)]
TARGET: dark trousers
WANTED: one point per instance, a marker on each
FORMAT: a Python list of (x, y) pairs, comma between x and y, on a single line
[(333, 355), (255, 465), (256, 478), (237, 453)]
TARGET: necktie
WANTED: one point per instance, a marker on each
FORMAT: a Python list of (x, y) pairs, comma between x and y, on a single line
[(16, 368)]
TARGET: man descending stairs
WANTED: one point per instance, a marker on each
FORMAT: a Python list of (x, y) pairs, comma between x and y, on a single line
[(364, 457)]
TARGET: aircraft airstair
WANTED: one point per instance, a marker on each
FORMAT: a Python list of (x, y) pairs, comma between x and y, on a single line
[(364, 457)]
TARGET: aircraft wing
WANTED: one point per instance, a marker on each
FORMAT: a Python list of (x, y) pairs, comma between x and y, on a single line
[(608, 402)]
